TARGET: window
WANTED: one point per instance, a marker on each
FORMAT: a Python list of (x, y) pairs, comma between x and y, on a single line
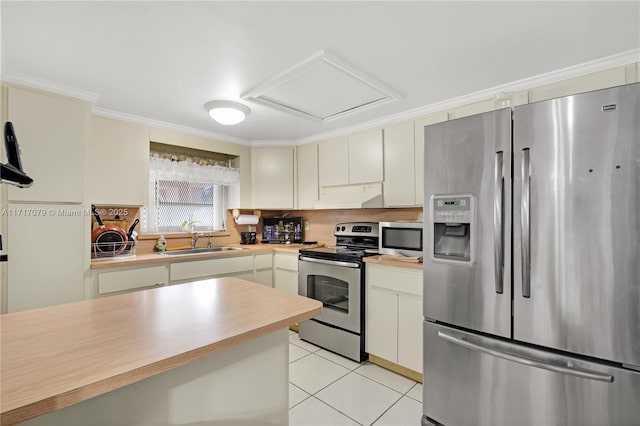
[(183, 191)]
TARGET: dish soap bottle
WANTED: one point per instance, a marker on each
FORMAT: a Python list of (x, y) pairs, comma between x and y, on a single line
[(162, 243)]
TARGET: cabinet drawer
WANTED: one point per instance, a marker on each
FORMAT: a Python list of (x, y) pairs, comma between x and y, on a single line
[(403, 280), (210, 267), (109, 282), (263, 261), (287, 261)]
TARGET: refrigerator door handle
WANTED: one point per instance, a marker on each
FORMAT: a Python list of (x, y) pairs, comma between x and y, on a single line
[(583, 373), (526, 225), (498, 240)]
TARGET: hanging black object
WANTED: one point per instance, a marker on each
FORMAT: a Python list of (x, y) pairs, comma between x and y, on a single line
[(12, 172)]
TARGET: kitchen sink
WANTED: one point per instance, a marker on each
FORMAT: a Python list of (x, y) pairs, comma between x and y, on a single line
[(200, 250)]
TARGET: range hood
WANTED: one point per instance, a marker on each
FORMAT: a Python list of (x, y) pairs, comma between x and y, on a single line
[(350, 197)]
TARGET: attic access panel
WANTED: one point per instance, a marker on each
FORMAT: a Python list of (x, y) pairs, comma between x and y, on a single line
[(321, 88)]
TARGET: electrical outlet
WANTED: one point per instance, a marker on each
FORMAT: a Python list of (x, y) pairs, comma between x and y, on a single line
[(306, 225)]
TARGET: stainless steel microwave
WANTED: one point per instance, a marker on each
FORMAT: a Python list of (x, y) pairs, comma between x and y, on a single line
[(400, 238)]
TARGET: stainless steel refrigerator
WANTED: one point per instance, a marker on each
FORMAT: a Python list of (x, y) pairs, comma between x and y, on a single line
[(532, 264)]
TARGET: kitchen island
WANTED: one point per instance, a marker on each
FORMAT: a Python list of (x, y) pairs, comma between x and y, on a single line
[(206, 353)]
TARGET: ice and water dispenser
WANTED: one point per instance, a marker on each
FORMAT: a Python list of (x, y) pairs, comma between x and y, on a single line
[(453, 222)]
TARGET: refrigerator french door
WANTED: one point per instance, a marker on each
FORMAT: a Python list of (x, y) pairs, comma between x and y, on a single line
[(532, 264)]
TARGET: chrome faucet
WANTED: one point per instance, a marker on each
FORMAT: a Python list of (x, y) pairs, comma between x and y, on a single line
[(194, 239), (196, 235)]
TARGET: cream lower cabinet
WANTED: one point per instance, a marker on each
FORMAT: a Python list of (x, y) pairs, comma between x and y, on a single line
[(285, 272), (123, 280), (45, 255), (236, 266), (263, 269), (394, 315)]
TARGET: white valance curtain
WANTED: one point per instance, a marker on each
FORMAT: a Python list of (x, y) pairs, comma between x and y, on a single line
[(187, 171), (165, 169)]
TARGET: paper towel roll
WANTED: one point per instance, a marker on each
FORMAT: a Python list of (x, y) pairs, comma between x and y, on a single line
[(247, 219)]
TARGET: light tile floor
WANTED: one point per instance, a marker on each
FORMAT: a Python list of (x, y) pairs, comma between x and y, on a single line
[(326, 389)]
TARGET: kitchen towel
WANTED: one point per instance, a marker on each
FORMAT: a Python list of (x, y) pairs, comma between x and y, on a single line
[(247, 219)]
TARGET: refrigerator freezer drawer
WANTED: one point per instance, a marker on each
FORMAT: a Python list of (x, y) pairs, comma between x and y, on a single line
[(475, 380)]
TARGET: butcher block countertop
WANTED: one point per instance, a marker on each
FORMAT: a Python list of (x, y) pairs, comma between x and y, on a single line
[(400, 261), (151, 258), (57, 356)]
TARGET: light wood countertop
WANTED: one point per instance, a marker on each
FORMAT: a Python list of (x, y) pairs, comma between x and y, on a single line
[(57, 356), (152, 258), (393, 261)]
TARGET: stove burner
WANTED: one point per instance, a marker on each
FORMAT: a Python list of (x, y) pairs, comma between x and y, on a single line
[(357, 240)]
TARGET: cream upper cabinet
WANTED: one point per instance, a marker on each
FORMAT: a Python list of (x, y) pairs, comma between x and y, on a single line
[(272, 177), (333, 161), (585, 83), (365, 157), (119, 163), (53, 133), (399, 166), (419, 151), (307, 175), (353, 159)]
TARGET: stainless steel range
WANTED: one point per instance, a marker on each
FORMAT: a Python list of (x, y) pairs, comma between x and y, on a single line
[(335, 276)]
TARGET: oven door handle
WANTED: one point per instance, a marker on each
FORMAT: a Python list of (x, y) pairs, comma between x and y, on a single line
[(330, 262)]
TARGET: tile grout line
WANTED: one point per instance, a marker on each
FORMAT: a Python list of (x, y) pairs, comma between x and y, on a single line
[(385, 411), (334, 408), (391, 406), (409, 396), (402, 396), (313, 395), (307, 397), (387, 386)]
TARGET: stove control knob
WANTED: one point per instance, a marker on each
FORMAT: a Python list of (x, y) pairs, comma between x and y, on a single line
[(343, 228), (337, 228)]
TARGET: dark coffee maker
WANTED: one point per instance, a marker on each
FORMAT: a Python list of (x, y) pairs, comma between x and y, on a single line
[(248, 237)]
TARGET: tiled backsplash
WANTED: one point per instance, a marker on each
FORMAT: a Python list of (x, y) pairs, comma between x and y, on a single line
[(320, 225)]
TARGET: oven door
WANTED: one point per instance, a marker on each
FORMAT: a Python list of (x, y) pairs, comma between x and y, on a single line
[(337, 285)]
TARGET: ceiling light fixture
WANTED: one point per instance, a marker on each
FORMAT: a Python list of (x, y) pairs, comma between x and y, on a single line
[(227, 112)]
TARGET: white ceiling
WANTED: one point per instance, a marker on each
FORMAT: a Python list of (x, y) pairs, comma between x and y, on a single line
[(164, 60)]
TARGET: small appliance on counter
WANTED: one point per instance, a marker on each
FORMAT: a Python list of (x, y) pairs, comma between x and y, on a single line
[(247, 237), (400, 239), (282, 230)]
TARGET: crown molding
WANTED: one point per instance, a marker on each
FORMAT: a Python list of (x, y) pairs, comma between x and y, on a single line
[(601, 64), (274, 142), (620, 59), (49, 86), (102, 112)]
